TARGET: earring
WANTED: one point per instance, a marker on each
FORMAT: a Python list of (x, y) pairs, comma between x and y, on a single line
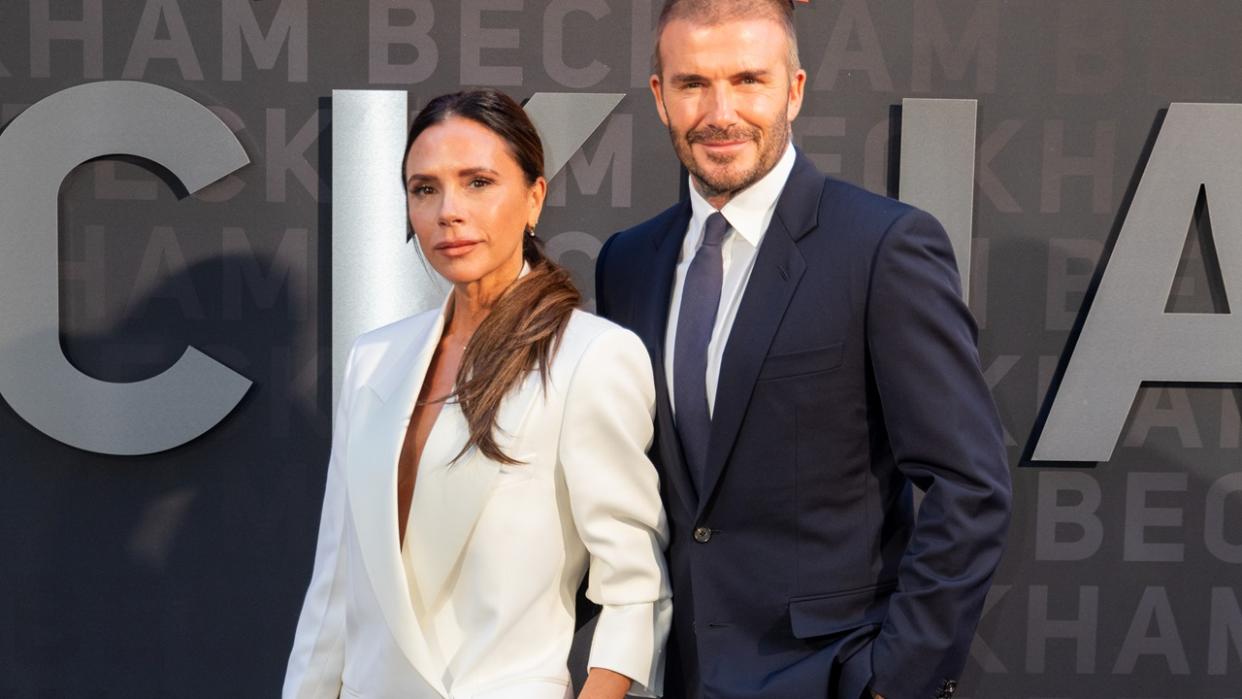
[(530, 230)]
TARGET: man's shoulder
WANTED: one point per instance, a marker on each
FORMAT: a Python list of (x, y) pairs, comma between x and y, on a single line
[(647, 231), (811, 197), (862, 205)]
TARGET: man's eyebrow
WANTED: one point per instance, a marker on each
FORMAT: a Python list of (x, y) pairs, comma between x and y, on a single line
[(682, 78), (757, 74)]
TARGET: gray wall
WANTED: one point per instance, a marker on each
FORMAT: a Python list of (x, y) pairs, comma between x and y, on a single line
[(180, 573)]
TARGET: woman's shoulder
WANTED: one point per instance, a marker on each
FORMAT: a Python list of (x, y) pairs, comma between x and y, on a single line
[(370, 348), (591, 338), (586, 328), (417, 324), (597, 356)]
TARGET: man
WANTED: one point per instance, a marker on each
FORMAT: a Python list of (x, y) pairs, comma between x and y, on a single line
[(814, 360)]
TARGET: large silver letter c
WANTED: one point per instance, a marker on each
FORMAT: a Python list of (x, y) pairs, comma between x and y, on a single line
[(38, 149)]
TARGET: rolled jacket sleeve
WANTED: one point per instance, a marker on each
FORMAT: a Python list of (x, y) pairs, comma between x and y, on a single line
[(615, 502)]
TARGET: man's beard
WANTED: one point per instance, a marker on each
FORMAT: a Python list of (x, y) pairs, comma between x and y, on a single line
[(726, 181)]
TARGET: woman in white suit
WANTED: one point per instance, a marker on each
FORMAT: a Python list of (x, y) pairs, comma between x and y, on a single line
[(486, 455)]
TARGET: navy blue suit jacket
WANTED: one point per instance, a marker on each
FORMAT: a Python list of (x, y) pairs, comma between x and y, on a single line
[(850, 374)]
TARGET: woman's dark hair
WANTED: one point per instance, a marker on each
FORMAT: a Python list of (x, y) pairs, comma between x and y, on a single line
[(525, 325)]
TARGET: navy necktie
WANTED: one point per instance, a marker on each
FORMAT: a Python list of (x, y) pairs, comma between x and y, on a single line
[(700, 297)]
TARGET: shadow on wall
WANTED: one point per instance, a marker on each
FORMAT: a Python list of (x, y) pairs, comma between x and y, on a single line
[(191, 563)]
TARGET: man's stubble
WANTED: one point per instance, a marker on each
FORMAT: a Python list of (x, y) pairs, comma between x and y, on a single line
[(727, 184)]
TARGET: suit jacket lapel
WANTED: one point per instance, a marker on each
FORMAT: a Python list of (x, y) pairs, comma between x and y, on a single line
[(778, 268), (377, 426), (667, 245), (449, 497)]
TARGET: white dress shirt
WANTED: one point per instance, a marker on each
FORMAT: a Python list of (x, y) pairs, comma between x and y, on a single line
[(748, 214)]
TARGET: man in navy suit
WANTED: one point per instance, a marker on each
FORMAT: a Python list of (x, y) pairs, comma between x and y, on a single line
[(814, 361)]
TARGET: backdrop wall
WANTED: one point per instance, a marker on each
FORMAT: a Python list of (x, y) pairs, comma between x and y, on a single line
[(181, 573)]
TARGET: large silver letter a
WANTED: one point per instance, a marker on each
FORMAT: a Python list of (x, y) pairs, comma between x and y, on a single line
[(1127, 337), (37, 151)]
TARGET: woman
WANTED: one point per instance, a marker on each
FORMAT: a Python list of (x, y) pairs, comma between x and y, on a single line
[(486, 454)]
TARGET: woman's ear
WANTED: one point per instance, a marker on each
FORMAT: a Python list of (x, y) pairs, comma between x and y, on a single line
[(538, 192)]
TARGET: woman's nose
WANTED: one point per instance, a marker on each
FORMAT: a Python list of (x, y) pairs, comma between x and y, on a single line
[(450, 207)]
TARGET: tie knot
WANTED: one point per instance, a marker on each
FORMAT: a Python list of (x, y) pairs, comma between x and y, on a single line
[(716, 230)]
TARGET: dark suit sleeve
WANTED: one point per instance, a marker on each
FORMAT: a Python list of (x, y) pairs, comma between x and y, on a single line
[(946, 437)]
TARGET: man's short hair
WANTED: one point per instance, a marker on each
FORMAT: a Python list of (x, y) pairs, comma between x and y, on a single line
[(711, 12)]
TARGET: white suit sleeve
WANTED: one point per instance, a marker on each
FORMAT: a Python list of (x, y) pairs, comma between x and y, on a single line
[(615, 500), (318, 656)]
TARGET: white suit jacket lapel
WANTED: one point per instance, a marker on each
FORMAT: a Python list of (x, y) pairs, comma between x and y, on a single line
[(449, 498), (377, 426)]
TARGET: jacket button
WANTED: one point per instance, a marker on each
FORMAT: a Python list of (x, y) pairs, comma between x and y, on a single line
[(702, 535)]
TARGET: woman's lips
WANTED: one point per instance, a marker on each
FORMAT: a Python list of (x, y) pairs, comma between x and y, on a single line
[(456, 248)]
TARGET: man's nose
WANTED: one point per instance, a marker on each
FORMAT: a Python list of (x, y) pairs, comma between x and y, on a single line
[(721, 108)]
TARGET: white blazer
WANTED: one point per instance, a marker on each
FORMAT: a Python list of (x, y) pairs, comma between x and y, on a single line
[(479, 604)]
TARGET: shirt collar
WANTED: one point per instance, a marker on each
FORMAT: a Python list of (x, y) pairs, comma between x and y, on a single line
[(750, 210)]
